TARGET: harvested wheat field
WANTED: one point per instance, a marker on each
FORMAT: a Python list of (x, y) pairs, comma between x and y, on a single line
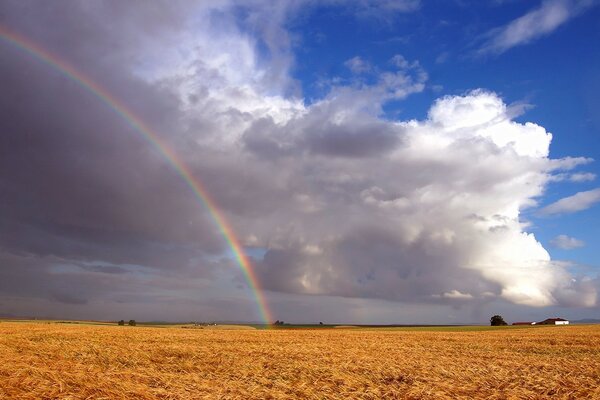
[(110, 362)]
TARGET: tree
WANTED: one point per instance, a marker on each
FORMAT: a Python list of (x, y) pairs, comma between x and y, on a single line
[(131, 322), (121, 322), (497, 320)]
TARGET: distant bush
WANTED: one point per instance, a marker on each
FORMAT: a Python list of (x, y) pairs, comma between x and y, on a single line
[(497, 320), (121, 322), (131, 322)]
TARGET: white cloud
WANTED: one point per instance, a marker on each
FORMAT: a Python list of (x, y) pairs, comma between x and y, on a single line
[(577, 202), (582, 177), (565, 242), (380, 9), (357, 65), (367, 92), (533, 25), (574, 177), (568, 163)]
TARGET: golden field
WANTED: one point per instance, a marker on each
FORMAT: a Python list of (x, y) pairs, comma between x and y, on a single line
[(49, 360)]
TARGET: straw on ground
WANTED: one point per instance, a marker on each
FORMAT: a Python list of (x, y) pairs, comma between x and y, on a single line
[(45, 360)]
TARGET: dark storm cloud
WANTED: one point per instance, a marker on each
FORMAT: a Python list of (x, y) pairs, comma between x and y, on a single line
[(317, 134), (374, 263), (51, 279), (68, 299), (351, 140), (105, 269), (77, 183), (82, 177), (71, 164), (48, 278)]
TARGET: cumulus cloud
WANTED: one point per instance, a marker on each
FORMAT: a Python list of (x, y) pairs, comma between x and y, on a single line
[(437, 212), (566, 242), (577, 202), (537, 23), (332, 197)]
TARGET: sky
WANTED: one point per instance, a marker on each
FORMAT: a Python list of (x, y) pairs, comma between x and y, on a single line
[(380, 162)]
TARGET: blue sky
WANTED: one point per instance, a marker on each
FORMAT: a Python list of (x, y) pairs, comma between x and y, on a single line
[(380, 161)]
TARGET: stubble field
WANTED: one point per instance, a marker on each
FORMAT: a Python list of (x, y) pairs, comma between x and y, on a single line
[(42, 360)]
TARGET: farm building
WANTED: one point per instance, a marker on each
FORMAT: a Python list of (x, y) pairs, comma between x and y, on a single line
[(554, 321), (524, 323)]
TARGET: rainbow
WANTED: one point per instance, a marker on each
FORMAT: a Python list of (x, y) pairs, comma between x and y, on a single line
[(161, 147)]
